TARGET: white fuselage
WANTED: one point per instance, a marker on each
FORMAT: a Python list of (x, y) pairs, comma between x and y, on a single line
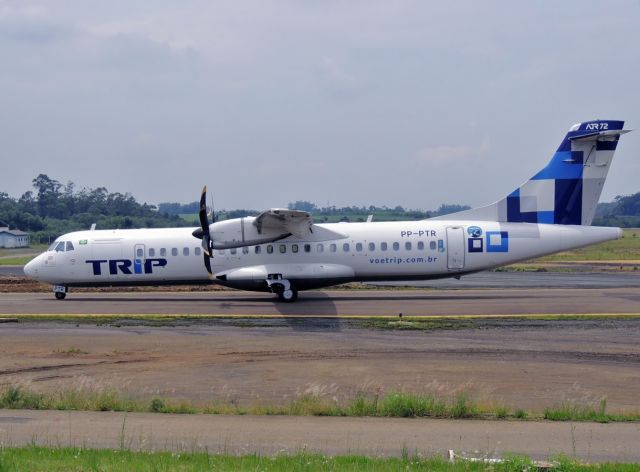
[(407, 250)]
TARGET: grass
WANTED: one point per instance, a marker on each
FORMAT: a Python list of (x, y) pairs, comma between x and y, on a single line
[(576, 412), (18, 260), (38, 458), (626, 248), (395, 404), (72, 351)]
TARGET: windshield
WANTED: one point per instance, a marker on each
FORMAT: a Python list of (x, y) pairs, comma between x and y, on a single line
[(61, 246)]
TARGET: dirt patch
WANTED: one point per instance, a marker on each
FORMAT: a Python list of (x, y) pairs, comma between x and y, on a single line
[(531, 366)]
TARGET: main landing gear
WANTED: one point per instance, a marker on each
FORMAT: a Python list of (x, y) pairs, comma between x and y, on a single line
[(60, 292), (285, 290)]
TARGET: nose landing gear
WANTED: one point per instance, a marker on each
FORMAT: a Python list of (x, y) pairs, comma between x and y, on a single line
[(60, 291)]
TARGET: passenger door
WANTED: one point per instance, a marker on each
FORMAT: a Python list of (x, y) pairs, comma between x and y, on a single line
[(455, 248), (138, 258)]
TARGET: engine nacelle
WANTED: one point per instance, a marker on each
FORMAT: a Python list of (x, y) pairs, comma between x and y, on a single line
[(240, 232)]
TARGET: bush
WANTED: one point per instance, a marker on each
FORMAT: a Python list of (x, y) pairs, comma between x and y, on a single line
[(157, 405)]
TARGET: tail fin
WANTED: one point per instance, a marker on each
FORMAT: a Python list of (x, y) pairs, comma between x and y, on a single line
[(567, 190)]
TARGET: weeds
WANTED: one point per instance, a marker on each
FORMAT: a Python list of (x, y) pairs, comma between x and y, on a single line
[(394, 404), (573, 412), (502, 412), (521, 414)]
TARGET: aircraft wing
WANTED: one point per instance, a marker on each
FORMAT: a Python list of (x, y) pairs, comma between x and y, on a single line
[(295, 222)]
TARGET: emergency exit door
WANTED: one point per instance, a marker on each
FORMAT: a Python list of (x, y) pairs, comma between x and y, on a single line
[(455, 248)]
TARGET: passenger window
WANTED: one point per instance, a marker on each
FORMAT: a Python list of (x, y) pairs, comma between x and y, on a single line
[(69, 246), (345, 247), (269, 249), (359, 247), (283, 248), (185, 251), (258, 249), (245, 250), (383, 246), (174, 251), (294, 248), (197, 251), (139, 253), (320, 247), (221, 252), (307, 248), (396, 246), (152, 252), (233, 250), (420, 245), (163, 252), (372, 246), (333, 247), (407, 246), (432, 245), (60, 247)]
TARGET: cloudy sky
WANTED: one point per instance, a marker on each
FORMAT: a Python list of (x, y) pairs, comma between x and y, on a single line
[(407, 103)]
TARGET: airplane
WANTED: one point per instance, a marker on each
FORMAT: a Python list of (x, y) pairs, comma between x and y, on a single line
[(283, 251)]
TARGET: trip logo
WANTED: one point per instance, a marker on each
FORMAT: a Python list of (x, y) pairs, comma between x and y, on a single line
[(123, 266)]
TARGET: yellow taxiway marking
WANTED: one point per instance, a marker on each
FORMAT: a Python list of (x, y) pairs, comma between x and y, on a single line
[(267, 316)]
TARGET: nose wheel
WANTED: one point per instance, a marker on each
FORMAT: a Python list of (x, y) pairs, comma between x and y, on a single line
[(60, 291)]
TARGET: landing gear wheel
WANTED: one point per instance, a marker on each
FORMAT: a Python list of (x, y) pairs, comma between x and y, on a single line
[(60, 295), (288, 296)]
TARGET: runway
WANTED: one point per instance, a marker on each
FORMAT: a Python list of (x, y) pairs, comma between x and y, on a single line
[(335, 303)]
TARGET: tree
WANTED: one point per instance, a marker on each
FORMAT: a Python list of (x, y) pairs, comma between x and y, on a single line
[(48, 193), (302, 205)]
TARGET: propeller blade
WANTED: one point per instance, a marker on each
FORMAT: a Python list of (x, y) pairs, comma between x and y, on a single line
[(206, 244), (202, 214), (207, 264), (204, 232)]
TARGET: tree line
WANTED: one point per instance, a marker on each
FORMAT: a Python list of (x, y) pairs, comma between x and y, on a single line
[(53, 208)]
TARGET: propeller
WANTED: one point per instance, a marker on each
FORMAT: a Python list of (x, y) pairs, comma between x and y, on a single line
[(203, 232)]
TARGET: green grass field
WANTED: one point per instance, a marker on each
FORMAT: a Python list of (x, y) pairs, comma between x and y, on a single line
[(626, 248), (36, 458), (20, 260)]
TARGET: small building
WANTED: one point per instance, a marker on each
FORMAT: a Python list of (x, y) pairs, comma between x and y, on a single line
[(10, 238)]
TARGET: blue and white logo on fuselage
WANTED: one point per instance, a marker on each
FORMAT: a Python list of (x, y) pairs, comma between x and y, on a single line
[(123, 266)]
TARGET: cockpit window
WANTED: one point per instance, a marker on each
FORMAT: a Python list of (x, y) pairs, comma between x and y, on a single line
[(60, 247), (69, 246)]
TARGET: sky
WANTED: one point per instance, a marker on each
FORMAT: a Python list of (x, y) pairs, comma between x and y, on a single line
[(362, 102)]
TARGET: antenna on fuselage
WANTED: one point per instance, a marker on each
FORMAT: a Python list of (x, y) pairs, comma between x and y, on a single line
[(93, 227)]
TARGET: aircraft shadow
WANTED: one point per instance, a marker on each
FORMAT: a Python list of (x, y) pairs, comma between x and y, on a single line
[(298, 321)]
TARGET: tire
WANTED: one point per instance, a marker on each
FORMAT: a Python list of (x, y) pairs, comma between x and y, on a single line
[(60, 295), (288, 296)]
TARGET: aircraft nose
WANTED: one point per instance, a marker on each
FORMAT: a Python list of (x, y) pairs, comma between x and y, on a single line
[(31, 269)]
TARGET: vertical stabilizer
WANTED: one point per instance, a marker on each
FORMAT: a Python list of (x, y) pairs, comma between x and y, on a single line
[(567, 190)]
